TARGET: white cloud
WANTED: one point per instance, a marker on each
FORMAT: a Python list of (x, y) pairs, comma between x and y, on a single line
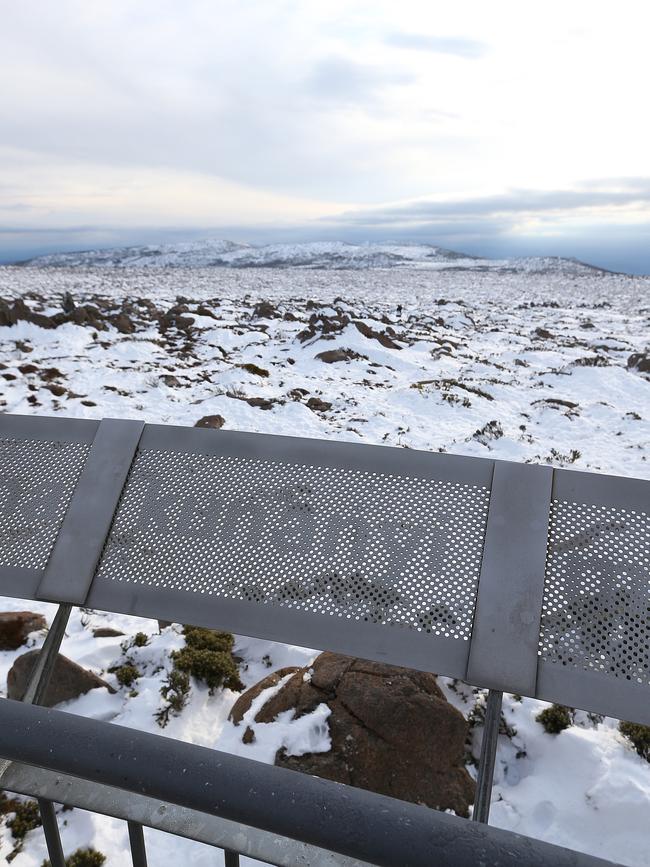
[(230, 112)]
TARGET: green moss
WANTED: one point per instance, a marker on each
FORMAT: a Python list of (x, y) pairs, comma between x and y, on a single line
[(208, 639), (26, 818), (126, 674), (639, 736), (82, 858), (140, 639), (555, 719), (214, 667)]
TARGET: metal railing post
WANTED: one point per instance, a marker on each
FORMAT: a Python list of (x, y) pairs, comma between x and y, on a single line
[(136, 841), (481, 812), (230, 858), (34, 694)]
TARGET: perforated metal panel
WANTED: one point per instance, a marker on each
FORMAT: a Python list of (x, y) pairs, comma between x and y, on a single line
[(596, 605), (352, 544), (37, 479)]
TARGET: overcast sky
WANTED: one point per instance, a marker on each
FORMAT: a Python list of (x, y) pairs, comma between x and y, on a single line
[(491, 127)]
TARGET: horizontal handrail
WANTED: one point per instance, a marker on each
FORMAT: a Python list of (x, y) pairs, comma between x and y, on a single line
[(342, 819)]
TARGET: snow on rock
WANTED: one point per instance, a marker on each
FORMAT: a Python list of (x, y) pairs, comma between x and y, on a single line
[(523, 366)]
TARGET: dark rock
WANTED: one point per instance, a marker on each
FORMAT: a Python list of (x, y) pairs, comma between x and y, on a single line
[(28, 368), (380, 336), (265, 310), (57, 390), (67, 304), (543, 333), (123, 323), (212, 421), (15, 626), (202, 310), (170, 381), (298, 393), (249, 736), (249, 367), (331, 356), (556, 401), (106, 632), (69, 680), (318, 405), (243, 703), (392, 730), (261, 402), (639, 361)]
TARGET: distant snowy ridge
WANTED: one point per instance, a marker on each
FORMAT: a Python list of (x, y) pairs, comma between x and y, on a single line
[(326, 255)]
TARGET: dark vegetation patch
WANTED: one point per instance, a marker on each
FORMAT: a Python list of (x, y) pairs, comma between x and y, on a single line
[(555, 719), (639, 736)]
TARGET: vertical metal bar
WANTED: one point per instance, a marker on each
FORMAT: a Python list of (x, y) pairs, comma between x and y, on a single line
[(481, 812), (230, 858), (34, 694), (136, 841), (51, 830), (46, 659)]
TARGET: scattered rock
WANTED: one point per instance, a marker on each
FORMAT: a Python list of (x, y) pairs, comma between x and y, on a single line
[(639, 361), (15, 626), (318, 405), (543, 333), (69, 680), (331, 356), (555, 401), (392, 730), (265, 310), (254, 369), (123, 323), (216, 422), (380, 336), (106, 632), (170, 380)]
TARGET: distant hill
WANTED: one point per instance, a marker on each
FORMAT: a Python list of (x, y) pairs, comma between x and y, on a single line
[(212, 253)]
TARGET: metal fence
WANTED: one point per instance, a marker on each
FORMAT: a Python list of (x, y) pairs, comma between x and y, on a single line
[(516, 578)]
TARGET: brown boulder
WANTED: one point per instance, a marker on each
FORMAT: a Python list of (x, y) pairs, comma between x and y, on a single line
[(392, 730), (332, 356), (211, 421), (69, 680), (15, 626)]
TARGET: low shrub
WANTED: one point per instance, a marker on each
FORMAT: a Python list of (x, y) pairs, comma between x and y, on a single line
[(26, 818), (126, 674), (82, 858), (208, 639), (175, 692), (214, 667), (555, 719), (639, 735)]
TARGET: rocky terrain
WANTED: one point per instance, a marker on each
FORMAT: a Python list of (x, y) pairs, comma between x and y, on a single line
[(544, 367)]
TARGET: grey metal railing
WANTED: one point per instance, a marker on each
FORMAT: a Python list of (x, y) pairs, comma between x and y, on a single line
[(516, 578)]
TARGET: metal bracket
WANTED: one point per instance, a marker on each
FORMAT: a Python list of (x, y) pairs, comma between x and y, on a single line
[(71, 567)]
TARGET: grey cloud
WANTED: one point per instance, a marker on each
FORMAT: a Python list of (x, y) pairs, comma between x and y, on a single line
[(637, 191), (467, 48)]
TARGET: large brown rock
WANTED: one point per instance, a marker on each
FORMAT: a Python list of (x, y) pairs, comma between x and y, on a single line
[(69, 680), (15, 626), (392, 730)]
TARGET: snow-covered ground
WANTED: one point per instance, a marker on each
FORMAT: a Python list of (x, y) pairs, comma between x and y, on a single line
[(522, 367), (330, 255)]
